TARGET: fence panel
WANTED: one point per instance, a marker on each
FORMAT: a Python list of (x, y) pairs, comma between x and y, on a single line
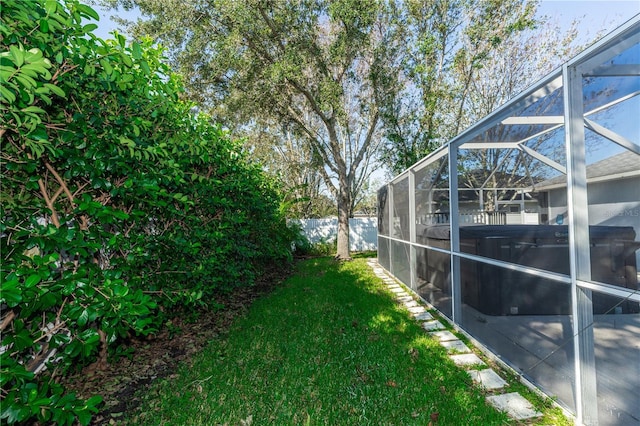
[(363, 231)]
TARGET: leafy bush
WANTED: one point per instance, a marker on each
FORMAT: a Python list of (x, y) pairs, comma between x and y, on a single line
[(117, 204), (324, 247)]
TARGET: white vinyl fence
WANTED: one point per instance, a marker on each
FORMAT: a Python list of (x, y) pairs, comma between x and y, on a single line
[(363, 231)]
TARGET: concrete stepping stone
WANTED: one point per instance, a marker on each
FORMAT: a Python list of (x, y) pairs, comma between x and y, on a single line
[(397, 290), (410, 303), (444, 336), (515, 405), (487, 378), (456, 346), (466, 359), (416, 310), (423, 316), (404, 299), (432, 325)]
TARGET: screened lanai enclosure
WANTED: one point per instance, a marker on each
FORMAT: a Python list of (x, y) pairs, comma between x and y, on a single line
[(524, 231)]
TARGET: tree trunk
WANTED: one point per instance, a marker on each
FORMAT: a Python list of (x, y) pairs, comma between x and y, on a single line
[(344, 202)]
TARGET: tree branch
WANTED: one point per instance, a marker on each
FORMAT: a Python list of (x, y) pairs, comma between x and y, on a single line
[(61, 182), (47, 200)]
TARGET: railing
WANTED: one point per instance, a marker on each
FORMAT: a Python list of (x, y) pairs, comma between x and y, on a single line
[(481, 217)]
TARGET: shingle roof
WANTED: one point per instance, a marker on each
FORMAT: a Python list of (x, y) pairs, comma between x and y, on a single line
[(615, 166)]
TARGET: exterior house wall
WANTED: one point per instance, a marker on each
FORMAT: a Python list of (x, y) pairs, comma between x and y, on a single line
[(611, 203)]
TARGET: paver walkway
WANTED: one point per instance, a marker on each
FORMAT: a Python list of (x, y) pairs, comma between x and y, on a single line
[(514, 404)]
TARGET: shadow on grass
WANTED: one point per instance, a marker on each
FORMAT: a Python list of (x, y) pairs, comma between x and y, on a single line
[(330, 346)]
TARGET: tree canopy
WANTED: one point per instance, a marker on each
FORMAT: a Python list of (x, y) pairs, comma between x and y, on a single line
[(441, 47), (354, 80), (311, 66)]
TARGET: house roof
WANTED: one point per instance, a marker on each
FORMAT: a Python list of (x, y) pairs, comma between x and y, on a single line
[(619, 166)]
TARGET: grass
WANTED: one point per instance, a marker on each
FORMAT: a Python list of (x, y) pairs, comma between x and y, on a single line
[(329, 347)]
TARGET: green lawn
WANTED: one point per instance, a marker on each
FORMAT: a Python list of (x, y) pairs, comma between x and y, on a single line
[(329, 347)]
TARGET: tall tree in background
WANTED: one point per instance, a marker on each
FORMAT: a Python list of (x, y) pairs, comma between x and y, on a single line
[(289, 158), (514, 65), (440, 47), (317, 85), (310, 65)]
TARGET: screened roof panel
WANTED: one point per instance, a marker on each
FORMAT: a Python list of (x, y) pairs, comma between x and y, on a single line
[(600, 91), (533, 122), (538, 111)]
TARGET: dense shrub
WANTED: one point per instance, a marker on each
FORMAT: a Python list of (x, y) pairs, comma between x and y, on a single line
[(118, 205)]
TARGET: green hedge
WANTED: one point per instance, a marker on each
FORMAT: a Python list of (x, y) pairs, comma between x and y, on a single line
[(117, 204)]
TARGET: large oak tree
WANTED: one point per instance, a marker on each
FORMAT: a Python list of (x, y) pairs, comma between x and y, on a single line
[(311, 65)]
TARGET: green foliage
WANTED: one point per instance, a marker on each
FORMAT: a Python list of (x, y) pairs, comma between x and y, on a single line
[(324, 248), (304, 68), (117, 204)]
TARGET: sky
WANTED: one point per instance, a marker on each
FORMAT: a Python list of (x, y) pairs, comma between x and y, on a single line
[(594, 15)]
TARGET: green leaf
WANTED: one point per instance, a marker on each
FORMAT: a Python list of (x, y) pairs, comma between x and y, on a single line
[(44, 25), (89, 28), (55, 89), (50, 6), (120, 39), (10, 293), (7, 95), (18, 55), (106, 66), (26, 81), (120, 290), (137, 52), (33, 109), (127, 60), (35, 56), (87, 11), (32, 281), (126, 141), (93, 401), (84, 417), (145, 67), (83, 318)]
